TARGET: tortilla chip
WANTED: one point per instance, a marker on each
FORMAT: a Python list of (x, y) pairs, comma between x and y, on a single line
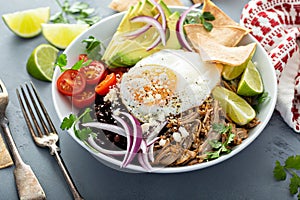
[(211, 51), (197, 1), (5, 159), (221, 18), (123, 5), (226, 35)]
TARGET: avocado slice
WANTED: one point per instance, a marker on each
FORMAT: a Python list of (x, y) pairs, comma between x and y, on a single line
[(130, 53), (165, 8), (145, 8), (172, 42), (123, 52)]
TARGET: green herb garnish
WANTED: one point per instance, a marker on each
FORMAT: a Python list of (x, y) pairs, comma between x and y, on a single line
[(62, 63), (291, 164), (260, 100), (79, 11), (200, 18), (72, 120), (217, 145), (93, 47)]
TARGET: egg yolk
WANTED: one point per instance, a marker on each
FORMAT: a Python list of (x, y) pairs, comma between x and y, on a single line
[(158, 86)]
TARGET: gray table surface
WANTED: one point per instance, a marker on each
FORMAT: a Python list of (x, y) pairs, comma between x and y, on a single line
[(247, 175)]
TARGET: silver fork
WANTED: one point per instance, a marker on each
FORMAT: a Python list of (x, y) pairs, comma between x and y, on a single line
[(42, 129), (28, 185)]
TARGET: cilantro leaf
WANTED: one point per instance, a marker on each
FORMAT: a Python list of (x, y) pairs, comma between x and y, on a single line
[(293, 162), (200, 18), (215, 144), (294, 184), (218, 146), (79, 11), (91, 43), (62, 62), (72, 120), (93, 47), (221, 128), (68, 122), (77, 7), (208, 16), (279, 172), (83, 133), (207, 25), (81, 63)]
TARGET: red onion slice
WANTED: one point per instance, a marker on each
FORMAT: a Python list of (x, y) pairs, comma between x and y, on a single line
[(141, 30), (105, 126), (154, 44), (128, 132), (155, 23), (137, 138), (179, 28), (162, 14), (143, 157), (91, 141)]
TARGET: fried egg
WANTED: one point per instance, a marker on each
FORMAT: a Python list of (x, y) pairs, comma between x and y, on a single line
[(166, 83)]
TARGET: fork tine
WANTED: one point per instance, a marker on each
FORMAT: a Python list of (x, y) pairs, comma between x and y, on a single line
[(47, 116), (37, 110), (26, 115)]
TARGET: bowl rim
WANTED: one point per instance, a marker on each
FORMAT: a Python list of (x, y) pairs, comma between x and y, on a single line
[(113, 163)]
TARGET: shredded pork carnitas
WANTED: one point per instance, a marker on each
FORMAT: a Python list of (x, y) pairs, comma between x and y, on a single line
[(194, 144)]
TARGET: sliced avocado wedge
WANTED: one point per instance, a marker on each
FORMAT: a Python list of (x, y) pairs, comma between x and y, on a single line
[(124, 51), (165, 8), (129, 54), (145, 8), (172, 42)]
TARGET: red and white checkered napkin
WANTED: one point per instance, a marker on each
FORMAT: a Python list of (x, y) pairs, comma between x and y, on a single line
[(276, 25)]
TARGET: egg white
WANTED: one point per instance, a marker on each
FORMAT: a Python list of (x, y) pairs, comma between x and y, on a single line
[(193, 83)]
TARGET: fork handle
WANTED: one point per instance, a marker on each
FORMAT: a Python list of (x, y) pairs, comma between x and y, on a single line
[(67, 176)]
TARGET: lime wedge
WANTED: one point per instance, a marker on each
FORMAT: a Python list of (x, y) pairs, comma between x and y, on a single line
[(232, 72), (41, 62), (27, 23), (61, 35), (235, 106), (251, 82)]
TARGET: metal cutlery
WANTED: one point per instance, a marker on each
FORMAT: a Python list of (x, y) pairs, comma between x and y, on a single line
[(28, 185), (42, 129)]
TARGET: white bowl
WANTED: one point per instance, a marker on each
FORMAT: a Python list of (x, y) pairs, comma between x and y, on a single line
[(103, 31)]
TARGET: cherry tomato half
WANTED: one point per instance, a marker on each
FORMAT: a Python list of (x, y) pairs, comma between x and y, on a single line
[(103, 87), (71, 82), (85, 98), (83, 57), (94, 72)]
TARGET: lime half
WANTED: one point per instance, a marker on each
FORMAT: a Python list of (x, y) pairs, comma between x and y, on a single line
[(235, 106), (41, 62), (61, 35), (27, 23), (251, 82)]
